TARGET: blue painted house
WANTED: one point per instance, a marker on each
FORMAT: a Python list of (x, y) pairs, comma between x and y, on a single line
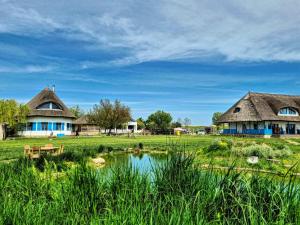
[(263, 114), (48, 116)]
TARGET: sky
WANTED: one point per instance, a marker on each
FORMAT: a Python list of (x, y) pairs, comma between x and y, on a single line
[(190, 58)]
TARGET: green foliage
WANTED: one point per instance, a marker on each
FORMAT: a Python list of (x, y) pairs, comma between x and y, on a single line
[(141, 145), (77, 111), (219, 144), (12, 112), (175, 193), (141, 124), (262, 150), (109, 115), (160, 121), (216, 117)]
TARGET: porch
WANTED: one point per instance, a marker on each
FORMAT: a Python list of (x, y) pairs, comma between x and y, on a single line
[(248, 132)]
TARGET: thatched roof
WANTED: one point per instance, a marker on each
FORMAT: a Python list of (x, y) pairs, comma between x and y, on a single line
[(83, 120), (262, 107), (45, 96)]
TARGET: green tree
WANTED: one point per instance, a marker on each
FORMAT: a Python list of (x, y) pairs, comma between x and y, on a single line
[(159, 122), (109, 115), (12, 114), (176, 124), (187, 122), (216, 117), (77, 111), (141, 124)]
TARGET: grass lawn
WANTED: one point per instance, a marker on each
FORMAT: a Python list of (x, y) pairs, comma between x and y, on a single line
[(12, 149)]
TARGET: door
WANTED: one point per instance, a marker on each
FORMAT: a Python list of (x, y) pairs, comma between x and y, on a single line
[(291, 129), (275, 129)]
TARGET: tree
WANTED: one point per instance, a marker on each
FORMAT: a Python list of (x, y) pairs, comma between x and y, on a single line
[(187, 122), (216, 117), (159, 121), (77, 111), (109, 115), (176, 124), (12, 114), (141, 124)]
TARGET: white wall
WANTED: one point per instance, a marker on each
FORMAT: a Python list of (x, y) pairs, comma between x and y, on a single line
[(49, 132), (1, 132)]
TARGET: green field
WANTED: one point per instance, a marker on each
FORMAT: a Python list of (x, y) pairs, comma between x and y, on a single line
[(13, 149), (188, 188)]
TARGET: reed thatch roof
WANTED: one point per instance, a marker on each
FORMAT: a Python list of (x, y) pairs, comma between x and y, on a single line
[(45, 96), (262, 107), (83, 120)]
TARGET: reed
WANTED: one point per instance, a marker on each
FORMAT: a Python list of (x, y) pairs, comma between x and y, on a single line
[(177, 192)]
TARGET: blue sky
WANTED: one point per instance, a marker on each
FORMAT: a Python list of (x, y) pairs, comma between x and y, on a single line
[(190, 58)]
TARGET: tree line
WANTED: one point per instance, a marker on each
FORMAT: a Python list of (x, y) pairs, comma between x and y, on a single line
[(107, 115)]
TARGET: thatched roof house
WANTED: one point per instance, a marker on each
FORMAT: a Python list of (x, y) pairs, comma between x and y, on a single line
[(259, 111), (48, 116)]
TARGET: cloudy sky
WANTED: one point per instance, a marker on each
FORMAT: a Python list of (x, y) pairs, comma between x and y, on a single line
[(190, 58)]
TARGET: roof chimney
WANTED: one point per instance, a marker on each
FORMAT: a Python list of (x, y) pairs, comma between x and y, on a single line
[(53, 88)]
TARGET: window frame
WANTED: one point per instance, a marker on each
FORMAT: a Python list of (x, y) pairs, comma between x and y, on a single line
[(288, 111)]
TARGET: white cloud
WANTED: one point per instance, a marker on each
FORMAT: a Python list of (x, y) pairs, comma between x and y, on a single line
[(25, 69), (167, 29)]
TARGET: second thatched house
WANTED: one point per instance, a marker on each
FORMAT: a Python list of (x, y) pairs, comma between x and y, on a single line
[(82, 126), (263, 114)]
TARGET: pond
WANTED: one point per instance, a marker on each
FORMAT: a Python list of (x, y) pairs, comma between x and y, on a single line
[(143, 162)]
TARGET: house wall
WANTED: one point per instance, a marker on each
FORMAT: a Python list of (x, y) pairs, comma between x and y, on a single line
[(249, 125), (262, 125), (36, 132), (283, 124), (1, 132)]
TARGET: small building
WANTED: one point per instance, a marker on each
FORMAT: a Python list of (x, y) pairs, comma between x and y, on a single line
[(264, 115), (48, 116), (82, 126)]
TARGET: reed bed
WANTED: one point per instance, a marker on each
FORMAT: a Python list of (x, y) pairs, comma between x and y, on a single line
[(177, 192)]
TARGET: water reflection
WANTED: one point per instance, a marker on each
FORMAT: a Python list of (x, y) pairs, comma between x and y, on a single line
[(145, 163)]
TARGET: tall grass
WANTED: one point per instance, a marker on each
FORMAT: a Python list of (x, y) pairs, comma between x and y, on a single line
[(177, 193)]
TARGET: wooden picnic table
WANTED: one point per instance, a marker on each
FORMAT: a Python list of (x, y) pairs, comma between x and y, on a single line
[(48, 149), (36, 151)]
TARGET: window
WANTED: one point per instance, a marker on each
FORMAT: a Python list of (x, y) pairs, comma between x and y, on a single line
[(29, 126), (58, 126), (69, 126), (44, 106), (288, 112), (45, 126), (236, 110), (255, 126), (49, 105)]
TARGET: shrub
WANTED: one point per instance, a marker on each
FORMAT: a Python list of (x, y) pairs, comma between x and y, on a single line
[(141, 145), (262, 150), (219, 145), (101, 148), (110, 149)]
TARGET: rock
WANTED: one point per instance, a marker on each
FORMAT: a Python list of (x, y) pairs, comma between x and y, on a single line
[(253, 160), (98, 161)]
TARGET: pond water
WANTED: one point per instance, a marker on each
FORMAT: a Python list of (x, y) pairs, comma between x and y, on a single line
[(144, 162)]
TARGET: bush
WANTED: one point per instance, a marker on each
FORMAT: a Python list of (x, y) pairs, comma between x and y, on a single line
[(219, 145), (263, 150), (141, 145), (101, 148)]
